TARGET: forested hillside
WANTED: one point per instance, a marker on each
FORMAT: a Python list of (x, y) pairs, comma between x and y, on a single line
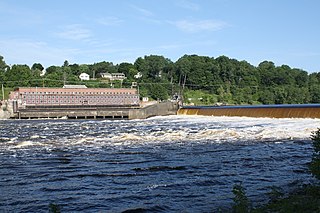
[(201, 79)]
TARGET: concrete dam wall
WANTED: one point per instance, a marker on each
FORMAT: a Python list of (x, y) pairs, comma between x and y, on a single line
[(160, 109), (272, 111)]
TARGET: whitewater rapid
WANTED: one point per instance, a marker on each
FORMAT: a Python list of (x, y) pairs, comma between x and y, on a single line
[(170, 129)]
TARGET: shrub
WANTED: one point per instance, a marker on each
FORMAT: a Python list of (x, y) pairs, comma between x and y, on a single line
[(241, 201), (315, 163)]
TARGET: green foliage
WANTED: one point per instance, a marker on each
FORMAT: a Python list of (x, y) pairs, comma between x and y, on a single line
[(199, 97), (302, 200), (241, 201), (221, 79), (18, 73), (275, 194), (7, 91), (37, 66), (54, 208), (314, 93), (315, 163), (157, 92)]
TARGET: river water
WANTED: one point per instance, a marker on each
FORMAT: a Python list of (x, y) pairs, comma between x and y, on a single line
[(162, 164)]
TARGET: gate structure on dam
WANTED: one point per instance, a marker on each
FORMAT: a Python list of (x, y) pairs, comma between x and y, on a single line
[(272, 111)]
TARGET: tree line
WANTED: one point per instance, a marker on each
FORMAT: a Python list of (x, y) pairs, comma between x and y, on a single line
[(199, 79)]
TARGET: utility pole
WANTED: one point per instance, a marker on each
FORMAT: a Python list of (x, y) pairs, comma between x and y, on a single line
[(2, 92), (64, 78), (183, 85)]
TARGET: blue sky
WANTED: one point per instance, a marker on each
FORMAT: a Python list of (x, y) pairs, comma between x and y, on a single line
[(89, 31)]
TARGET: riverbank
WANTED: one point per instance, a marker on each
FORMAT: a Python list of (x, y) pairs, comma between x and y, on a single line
[(4, 112)]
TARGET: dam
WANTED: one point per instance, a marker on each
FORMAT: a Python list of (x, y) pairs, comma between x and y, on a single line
[(271, 111), (80, 102), (110, 113)]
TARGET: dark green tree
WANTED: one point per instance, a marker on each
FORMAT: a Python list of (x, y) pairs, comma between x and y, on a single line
[(153, 67), (158, 92), (37, 66), (3, 68), (315, 93), (103, 67), (18, 75), (36, 71), (315, 163), (128, 69), (241, 201)]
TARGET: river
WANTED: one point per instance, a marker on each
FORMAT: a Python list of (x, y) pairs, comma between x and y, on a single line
[(162, 164)]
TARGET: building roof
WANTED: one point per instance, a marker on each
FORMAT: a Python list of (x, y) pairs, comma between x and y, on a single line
[(72, 89), (74, 86)]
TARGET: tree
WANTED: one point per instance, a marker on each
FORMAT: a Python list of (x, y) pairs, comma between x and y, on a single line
[(301, 78), (51, 69), (266, 97), (3, 68), (66, 63), (103, 67), (224, 96), (18, 75), (37, 66), (199, 71), (267, 73), (152, 67), (75, 69), (314, 93), (36, 71), (241, 201), (227, 69), (128, 69), (315, 163), (158, 92), (53, 77)]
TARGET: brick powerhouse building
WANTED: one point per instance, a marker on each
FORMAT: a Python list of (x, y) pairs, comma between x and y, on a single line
[(74, 97)]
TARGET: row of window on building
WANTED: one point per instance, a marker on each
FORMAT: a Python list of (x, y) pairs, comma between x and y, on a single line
[(78, 93), (96, 102), (78, 97)]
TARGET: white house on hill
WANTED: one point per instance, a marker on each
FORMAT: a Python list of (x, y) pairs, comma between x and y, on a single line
[(114, 76), (84, 76)]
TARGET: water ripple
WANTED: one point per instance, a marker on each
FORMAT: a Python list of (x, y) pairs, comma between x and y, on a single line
[(164, 164)]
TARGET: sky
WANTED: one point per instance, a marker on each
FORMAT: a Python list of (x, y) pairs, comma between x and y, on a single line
[(90, 31)]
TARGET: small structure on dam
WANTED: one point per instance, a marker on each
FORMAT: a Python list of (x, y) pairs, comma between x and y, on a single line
[(272, 111), (79, 102)]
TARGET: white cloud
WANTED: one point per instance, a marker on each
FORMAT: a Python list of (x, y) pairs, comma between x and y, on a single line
[(188, 5), (197, 26), (143, 11), (22, 51), (75, 32), (109, 21)]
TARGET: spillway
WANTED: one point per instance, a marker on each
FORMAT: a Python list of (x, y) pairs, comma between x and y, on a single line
[(271, 111)]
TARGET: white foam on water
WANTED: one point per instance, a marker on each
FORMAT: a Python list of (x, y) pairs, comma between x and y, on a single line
[(226, 128), (34, 137), (170, 129), (24, 144)]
